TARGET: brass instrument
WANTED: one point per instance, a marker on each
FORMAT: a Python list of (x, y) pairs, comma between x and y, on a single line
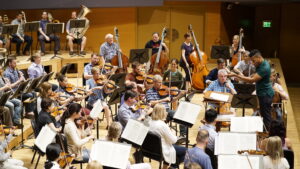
[(51, 19), (80, 32)]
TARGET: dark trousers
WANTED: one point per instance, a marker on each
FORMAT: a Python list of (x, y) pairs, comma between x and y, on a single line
[(18, 41), (187, 72), (182, 128), (52, 37), (265, 107)]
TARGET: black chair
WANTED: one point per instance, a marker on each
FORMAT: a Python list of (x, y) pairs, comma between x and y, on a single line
[(213, 158), (289, 155), (152, 148), (35, 148)]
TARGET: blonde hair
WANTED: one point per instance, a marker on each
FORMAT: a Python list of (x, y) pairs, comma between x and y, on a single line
[(94, 70), (44, 89), (114, 131), (274, 148), (159, 112), (94, 165)]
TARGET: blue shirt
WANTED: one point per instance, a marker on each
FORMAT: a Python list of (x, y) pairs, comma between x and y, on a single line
[(125, 113), (43, 24), (197, 155), (216, 86), (212, 134), (97, 94), (108, 51), (152, 95), (88, 69), (12, 75), (35, 70)]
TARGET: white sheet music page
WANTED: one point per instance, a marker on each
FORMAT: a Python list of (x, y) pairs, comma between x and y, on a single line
[(246, 124), (135, 132), (44, 138), (110, 154), (219, 97), (231, 143), (187, 112), (96, 109), (239, 162)]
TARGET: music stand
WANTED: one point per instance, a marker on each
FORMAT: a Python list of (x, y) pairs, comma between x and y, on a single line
[(4, 98), (244, 88), (77, 24), (119, 78), (244, 101), (20, 89), (9, 29), (140, 55), (48, 76), (65, 69), (53, 28), (115, 98), (222, 51), (31, 27)]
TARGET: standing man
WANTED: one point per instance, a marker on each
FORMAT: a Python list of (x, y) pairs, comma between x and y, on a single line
[(43, 37), (72, 37), (264, 88), (20, 37)]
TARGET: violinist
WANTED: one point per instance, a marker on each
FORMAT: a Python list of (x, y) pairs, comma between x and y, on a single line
[(53, 151), (139, 77), (109, 49), (176, 75), (88, 68), (131, 86), (76, 137), (245, 66), (155, 43), (45, 118), (125, 112), (186, 49), (213, 74)]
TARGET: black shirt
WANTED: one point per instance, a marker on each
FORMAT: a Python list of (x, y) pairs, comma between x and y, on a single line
[(43, 119), (154, 46), (188, 51)]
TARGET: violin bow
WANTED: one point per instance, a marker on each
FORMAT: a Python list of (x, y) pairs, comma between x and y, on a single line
[(170, 78), (247, 156)]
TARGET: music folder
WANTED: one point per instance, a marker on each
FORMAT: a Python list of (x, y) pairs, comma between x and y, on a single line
[(32, 26), (33, 84), (240, 162), (45, 137), (135, 132), (10, 29), (187, 113), (110, 154), (54, 28), (97, 109)]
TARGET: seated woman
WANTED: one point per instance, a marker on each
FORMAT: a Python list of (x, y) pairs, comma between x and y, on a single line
[(274, 158), (76, 137), (173, 154), (45, 117), (174, 75), (114, 133), (53, 151)]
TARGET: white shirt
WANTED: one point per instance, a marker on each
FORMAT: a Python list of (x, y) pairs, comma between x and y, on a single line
[(282, 164), (243, 66), (167, 139)]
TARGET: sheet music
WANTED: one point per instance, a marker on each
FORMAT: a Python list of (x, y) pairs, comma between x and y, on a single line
[(135, 132), (110, 154), (219, 97), (187, 112), (240, 162), (246, 124), (231, 143), (98, 107), (45, 137)]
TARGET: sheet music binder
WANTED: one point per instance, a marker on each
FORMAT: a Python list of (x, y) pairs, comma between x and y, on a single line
[(191, 109), (20, 89), (140, 55), (141, 131)]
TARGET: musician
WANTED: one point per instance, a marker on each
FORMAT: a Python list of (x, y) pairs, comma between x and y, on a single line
[(14, 104), (43, 37), (213, 74), (88, 68), (3, 41), (72, 37), (16, 76), (5, 116), (131, 86), (45, 118), (6, 162), (109, 49), (173, 154), (221, 84), (20, 37), (53, 151), (264, 88), (186, 49), (137, 70), (176, 75), (235, 47), (155, 43), (275, 157), (210, 125), (245, 66), (197, 154), (76, 138), (125, 111)]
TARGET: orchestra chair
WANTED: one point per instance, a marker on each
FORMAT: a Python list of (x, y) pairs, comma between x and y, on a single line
[(152, 148), (35, 148), (289, 155)]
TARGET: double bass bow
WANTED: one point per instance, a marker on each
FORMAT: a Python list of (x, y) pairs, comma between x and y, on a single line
[(120, 59), (160, 60), (199, 60)]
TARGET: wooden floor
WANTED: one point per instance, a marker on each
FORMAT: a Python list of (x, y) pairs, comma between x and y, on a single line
[(292, 131)]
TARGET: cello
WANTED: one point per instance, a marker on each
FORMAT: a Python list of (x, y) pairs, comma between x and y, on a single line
[(120, 59), (238, 56), (160, 60), (199, 60)]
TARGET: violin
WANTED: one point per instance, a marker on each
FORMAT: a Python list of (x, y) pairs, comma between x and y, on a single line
[(111, 85), (144, 78), (70, 88), (57, 96), (57, 111), (101, 80), (165, 91), (252, 152), (140, 105)]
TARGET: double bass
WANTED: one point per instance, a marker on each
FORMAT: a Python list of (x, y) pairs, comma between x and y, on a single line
[(160, 60), (199, 60), (238, 56), (120, 59)]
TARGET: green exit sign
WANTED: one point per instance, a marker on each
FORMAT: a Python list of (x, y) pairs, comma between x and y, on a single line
[(267, 24)]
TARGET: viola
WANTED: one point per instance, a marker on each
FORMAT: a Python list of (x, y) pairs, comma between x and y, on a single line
[(144, 78), (165, 91), (70, 88), (252, 152), (140, 105)]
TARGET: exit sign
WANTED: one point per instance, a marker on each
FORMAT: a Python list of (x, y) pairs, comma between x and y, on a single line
[(267, 24)]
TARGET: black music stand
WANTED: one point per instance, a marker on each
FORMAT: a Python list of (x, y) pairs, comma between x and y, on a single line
[(119, 78), (222, 51), (31, 27), (140, 55), (9, 29), (244, 88), (65, 69), (48, 77), (4, 98), (33, 85), (244, 101), (77, 24), (54, 28)]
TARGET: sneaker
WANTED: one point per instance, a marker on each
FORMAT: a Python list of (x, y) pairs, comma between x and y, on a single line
[(71, 53), (82, 53)]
